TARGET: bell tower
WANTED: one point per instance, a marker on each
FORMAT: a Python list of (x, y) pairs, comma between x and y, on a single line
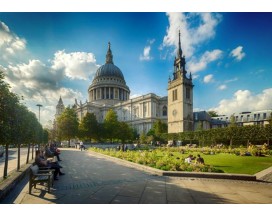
[(59, 108), (180, 96)]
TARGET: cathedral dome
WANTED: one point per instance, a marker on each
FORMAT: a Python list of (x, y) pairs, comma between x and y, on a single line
[(109, 85), (109, 70)]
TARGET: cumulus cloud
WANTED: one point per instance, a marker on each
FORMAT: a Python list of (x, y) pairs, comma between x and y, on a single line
[(76, 65), (40, 82), (208, 78), (238, 53), (37, 81), (192, 33), (209, 56), (245, 100), (146, 53), (222, 87), (10, 43)]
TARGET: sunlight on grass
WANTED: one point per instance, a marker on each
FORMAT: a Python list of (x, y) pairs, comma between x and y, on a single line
[(172, 159)]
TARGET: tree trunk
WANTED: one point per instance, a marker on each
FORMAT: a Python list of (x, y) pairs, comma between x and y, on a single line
[(28, 150), (32, 151), (230, 145), (19, 157), (6, 163)]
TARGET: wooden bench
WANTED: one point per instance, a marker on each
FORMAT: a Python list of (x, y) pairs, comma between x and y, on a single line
[(40, 176)]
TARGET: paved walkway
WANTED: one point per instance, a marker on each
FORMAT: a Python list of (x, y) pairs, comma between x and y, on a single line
[(93, 179)]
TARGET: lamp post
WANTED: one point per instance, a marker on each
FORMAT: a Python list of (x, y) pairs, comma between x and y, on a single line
[(39, 105)]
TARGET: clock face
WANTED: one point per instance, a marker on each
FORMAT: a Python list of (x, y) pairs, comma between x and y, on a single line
[(174, 112)]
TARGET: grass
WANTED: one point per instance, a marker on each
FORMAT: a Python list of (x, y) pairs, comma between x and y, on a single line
[(231, 163), (169, 158)]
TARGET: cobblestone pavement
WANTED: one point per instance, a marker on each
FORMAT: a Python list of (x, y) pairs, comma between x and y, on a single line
[(93, 179)]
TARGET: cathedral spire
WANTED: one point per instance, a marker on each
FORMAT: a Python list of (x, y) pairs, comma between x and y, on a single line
[(60, 101), (109, 55), (179, 51)]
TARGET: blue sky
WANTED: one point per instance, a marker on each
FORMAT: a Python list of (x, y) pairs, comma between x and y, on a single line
[(48, 55)]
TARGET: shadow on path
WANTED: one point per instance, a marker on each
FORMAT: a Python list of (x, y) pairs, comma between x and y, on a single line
[(91, 179)]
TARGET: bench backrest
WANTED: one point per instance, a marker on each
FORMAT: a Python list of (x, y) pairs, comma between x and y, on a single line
[(34, 169)]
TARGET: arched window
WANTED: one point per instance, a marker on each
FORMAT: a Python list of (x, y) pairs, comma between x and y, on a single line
[(164, 111)]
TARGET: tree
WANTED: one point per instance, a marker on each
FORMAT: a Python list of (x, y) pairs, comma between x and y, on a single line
[(17, 124), (156, 132), (189, 135), (67, 124), (110, 125), (232, 121), (213, 113), (159, 128), (267, 132), (8, 100), (88, 127), (143, 138), (124, 132)]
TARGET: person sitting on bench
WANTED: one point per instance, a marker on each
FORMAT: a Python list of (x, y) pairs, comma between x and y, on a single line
[(42, 162)]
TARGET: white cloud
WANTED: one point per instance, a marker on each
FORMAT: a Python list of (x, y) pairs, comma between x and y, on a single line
[(42, 83), (146, 53), (222, 87), (231, 80), (238, 53), (33, 80), (191, 35), (76, 65), (208, 78), (208, 57), (38, 83), (10, 43), (244, 100)]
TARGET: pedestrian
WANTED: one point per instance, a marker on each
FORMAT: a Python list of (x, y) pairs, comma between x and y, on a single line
[(189, 159), (81, 146), (42, 162), (199, 160)]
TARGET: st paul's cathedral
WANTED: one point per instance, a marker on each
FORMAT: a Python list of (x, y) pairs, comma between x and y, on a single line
[(108, 90)]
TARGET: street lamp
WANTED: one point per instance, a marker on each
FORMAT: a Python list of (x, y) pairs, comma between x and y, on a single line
[(39, 105)]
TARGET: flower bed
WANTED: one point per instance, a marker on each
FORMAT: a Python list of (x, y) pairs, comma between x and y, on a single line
[(160, 159)]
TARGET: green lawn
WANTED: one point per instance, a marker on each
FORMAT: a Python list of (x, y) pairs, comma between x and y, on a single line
[(172, 159), (230, 163)]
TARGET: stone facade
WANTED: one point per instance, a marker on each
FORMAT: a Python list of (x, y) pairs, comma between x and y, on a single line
[(108, 90)]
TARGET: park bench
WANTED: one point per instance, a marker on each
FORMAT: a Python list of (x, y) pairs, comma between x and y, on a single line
[(40, 176)]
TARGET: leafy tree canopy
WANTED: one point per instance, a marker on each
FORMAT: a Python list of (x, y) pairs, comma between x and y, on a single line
[(213, 113), (67, 124)]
